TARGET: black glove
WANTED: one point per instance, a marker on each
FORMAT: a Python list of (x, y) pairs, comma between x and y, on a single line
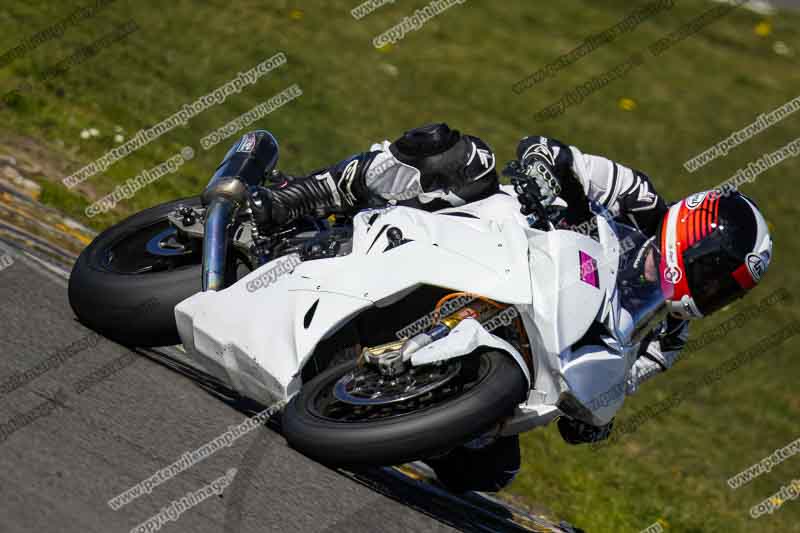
[(548, 163), (576, 432), (542, 173), (535, 184)]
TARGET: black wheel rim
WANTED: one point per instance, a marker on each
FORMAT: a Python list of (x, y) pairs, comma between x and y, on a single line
[(153, 248)]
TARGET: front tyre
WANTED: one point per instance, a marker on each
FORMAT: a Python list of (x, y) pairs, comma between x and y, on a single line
[(487, 387)]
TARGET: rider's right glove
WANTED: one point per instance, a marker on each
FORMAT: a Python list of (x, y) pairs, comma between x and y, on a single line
[(546, 165)]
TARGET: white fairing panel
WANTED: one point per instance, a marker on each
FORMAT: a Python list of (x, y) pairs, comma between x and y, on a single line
[(256, 337), (570, 279), (573, 277), (589, 373), (484, 256), (258, 341)]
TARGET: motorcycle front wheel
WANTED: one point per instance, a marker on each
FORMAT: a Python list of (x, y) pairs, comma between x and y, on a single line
[(352, 416)]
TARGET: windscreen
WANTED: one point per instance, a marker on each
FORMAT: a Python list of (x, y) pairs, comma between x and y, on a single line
[(639, 281)]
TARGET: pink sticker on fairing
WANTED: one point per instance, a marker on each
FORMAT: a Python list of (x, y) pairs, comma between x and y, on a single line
[(589, 272)]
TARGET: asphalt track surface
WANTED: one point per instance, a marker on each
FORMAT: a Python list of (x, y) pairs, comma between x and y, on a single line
[(68, 444), (59, 470)]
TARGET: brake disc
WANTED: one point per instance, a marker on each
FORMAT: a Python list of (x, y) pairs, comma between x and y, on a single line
[(366, 385)]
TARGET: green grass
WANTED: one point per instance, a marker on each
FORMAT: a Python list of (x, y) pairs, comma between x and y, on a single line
[(460, 67)]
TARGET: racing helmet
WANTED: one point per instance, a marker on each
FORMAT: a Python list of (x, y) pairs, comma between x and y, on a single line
[(714, 249)]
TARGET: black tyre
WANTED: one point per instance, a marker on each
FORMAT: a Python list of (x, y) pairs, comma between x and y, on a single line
[(126, 283), (487, 387)]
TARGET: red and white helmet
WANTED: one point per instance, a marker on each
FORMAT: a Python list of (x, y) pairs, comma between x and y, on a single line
[(714, 249)]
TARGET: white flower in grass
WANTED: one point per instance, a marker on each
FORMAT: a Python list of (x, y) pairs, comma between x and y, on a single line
[(94, 132), (389, 69), (782, 49), (85, 134), (119, 138)]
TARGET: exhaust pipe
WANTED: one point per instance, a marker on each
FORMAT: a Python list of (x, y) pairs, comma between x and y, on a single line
[(225, 198), (243, 168)]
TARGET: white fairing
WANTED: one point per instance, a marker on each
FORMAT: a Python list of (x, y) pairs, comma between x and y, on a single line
[(567, 299), (259, 341)]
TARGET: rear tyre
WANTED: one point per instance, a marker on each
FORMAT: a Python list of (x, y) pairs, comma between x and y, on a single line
[(490, 385), (126, 283)]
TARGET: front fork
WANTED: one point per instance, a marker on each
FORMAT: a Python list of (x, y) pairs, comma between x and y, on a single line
[(393, 358)]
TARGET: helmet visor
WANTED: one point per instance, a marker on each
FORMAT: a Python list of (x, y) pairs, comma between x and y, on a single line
[(709, 266)]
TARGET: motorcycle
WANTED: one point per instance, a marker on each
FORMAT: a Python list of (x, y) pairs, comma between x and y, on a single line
[(394, 335)]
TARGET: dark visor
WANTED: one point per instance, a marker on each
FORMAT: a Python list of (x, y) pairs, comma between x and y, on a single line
[(710, 264)]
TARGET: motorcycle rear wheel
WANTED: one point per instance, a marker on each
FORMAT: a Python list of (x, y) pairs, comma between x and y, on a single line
[(126, 283), (319, 425)]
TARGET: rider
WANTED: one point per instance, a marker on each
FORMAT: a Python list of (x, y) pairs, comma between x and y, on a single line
[(712, 248), (430, 168)]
